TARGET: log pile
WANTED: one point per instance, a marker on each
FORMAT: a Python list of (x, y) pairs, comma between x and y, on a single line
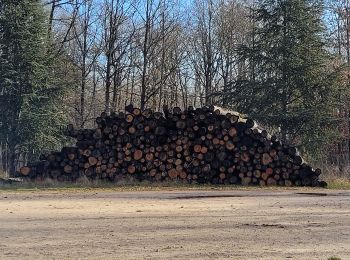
[(197, 145)]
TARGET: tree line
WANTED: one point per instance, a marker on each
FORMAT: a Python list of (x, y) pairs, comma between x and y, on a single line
[(285, 63)]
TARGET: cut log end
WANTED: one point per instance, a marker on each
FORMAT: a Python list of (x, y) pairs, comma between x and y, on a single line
[(25, 171)]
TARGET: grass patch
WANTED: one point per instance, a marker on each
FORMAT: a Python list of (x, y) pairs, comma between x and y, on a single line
[(86, 185), (3, 174), (109, 186), (338, 184), (50, 185), (334, 258)]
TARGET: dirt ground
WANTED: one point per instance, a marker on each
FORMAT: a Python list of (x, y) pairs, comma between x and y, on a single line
[(251, 224)]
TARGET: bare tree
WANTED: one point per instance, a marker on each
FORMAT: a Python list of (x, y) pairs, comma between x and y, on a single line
[(62, 17), (155, 29), (338, 22), (118, 36), (84, 49), (204, 48), (232, 30)]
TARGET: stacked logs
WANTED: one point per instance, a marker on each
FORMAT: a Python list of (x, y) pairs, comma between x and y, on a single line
[(197, 145)]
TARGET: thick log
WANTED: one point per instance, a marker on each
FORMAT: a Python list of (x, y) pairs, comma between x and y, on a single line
[(25, 170), (173, 173)]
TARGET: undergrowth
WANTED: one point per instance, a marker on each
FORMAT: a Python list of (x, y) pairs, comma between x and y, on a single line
[(334, 182)]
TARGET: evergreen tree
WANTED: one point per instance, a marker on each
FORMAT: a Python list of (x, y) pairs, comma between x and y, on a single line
[(289, 87), (30, 109)]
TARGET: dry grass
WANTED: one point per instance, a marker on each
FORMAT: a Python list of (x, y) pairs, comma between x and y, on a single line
[(132, 186), (334, 182), (336, 179), (338, 183), (3, 174), (103, 185)]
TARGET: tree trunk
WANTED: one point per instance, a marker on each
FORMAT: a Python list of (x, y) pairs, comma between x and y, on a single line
[(12, 160)]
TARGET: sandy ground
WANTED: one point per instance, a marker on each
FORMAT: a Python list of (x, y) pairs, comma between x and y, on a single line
[(253, 224)]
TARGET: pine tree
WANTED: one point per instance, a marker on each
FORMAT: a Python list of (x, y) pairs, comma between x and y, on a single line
[(29, 102), (289, 87)]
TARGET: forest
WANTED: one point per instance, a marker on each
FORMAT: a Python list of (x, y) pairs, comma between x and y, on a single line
[(283, 63)]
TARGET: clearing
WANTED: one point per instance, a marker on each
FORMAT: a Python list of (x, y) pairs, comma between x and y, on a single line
[(192, 224)]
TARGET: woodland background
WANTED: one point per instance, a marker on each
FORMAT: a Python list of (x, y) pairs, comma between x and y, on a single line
[(284, 63)]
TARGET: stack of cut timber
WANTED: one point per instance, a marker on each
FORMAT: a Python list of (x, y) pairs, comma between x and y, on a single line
[(192, 146)]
